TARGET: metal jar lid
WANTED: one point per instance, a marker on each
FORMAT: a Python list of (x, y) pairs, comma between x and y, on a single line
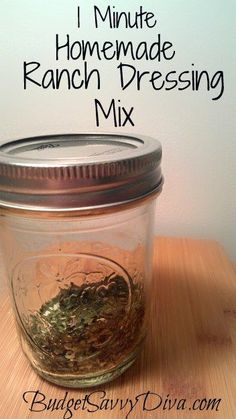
[(78, 171)]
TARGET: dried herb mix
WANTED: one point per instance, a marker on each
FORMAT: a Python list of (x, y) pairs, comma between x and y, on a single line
[(88, 328)]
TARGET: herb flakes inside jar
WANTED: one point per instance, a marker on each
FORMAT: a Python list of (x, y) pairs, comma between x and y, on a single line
[(88, 327)]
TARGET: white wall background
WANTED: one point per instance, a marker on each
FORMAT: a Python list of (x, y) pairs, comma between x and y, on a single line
[(197, 134)]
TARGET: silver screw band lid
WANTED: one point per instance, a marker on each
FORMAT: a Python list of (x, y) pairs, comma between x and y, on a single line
[(78, 171)]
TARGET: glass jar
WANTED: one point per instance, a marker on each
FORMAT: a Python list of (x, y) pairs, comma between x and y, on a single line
[(77, 215)]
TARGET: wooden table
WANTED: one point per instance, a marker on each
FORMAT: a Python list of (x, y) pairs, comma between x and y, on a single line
[(189, 358)]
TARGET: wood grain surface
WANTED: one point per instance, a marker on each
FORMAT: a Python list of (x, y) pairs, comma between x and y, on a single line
[(189, 358)]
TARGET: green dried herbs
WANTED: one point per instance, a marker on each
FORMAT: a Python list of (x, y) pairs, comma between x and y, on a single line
[(88, 328)]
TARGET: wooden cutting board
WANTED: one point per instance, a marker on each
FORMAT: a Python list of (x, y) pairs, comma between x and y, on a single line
[(188, 361)]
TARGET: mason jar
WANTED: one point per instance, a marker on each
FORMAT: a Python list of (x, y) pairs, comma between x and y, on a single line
[(77, 223)]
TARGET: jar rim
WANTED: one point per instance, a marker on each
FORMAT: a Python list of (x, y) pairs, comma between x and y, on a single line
[(78, 171)]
